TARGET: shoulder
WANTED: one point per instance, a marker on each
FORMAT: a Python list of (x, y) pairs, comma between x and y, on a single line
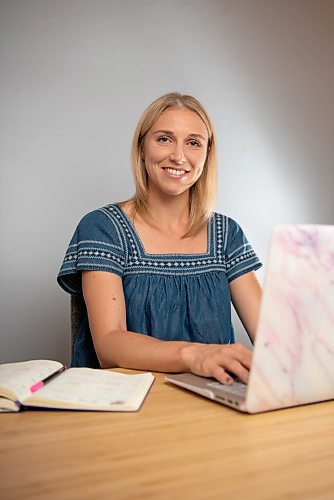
[(238, 253), (98, 244), (102, 225), (230, 234), (100, 215), (227, 226), (107, 217)]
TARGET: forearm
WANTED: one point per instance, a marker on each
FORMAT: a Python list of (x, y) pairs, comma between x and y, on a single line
[(115, 346), (134, 350)]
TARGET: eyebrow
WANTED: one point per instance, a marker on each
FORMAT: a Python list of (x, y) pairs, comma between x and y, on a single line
[(170, 132)]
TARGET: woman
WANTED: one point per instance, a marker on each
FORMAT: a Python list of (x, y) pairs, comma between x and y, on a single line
[(158, 272)]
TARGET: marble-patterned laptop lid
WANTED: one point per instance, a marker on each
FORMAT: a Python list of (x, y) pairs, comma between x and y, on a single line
[(293, 361)]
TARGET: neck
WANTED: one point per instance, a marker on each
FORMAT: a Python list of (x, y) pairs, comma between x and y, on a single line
[(169, 213)]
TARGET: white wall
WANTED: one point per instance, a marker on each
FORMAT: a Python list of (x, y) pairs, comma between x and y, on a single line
[(75, 76)]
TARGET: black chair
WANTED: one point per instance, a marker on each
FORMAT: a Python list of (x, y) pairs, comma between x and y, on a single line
[(78, 312)]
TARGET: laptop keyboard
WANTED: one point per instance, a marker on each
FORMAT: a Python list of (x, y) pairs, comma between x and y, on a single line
[(237, 388)]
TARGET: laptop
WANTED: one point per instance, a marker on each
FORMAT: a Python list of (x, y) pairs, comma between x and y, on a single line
[(293, 356)]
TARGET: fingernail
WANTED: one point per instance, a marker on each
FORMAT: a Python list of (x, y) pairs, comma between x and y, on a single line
[(229, 380)]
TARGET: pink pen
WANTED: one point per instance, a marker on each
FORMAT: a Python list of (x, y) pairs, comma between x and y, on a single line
[(41, 383)]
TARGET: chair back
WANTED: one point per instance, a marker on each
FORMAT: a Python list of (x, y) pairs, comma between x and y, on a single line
[(78, 311)]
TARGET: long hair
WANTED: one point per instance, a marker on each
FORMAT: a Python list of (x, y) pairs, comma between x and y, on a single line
[(202, 193)]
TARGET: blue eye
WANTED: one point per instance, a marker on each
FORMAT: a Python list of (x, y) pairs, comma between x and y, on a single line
[(163, 139), (194, 143)]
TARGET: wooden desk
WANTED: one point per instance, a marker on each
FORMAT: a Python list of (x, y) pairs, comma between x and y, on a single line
[(178, 446)]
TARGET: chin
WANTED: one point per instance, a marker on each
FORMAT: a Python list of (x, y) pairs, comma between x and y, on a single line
[(170, 189), (175, 192)]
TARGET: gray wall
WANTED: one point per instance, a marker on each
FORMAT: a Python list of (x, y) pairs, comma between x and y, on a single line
[(75, 76)]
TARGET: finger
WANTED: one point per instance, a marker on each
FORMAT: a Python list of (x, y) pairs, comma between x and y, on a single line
[(238, 370), (243, 355), (222, 376)]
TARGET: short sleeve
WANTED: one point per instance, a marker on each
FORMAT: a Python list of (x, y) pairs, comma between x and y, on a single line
[(240, 257), (97, 245)]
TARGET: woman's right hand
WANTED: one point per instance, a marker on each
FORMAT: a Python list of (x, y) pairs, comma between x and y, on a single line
[(223, 362)]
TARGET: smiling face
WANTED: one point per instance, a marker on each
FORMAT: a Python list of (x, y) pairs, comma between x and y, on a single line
[(175, 150)]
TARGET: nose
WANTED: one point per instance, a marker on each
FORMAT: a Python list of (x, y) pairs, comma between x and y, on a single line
[(177, 155)]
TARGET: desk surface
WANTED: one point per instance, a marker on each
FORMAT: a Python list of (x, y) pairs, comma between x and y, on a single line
[(179, 445)]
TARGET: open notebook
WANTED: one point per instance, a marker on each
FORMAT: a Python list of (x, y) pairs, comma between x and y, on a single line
[(47, 384), (293, 359)]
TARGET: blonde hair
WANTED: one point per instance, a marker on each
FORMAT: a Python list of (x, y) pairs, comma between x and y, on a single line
[(202, 193)]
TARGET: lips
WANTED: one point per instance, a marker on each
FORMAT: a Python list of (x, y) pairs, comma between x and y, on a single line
[(175, 171)]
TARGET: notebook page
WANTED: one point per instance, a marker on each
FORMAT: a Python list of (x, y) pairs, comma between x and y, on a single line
[(19, 377), (93, 387)]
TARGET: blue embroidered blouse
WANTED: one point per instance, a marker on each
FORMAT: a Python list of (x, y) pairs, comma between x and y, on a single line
[(168, 296)]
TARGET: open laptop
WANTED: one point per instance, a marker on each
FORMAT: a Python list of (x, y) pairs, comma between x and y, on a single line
[(293, 357)]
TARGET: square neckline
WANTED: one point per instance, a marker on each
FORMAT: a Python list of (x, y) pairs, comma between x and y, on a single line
[(168, 255)]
